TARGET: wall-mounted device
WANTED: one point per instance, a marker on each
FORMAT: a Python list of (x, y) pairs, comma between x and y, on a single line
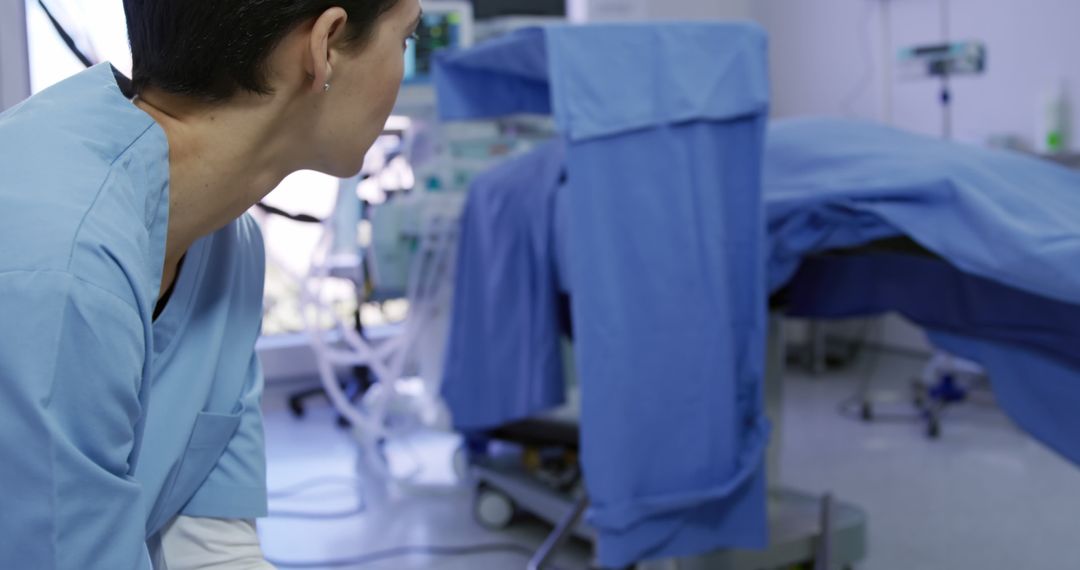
[(945, 59)]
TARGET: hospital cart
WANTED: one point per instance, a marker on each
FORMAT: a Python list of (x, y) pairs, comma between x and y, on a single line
[(544, 480)]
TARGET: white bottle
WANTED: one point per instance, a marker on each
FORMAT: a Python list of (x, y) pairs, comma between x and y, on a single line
[(1055, 123)]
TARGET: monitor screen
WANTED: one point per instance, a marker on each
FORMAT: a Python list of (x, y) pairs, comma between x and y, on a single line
[(443, 26), (485, 9)]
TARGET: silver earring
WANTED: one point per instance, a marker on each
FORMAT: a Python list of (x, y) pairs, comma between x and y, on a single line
[(326, 87)]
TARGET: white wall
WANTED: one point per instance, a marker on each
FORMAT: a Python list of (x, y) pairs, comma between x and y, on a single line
[(699, 9), (819, 51), (14, 63), (605, 10), (822, 48)]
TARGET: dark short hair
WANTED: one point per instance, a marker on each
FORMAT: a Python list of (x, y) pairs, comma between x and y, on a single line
[(211, 49)]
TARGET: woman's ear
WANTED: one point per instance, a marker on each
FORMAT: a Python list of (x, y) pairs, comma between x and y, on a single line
[(326, 33)]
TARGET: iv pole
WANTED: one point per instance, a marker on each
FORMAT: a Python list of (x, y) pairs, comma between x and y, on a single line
[(946, 92)]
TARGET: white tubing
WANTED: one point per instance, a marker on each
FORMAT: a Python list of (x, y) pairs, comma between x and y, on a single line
[(388, 359)]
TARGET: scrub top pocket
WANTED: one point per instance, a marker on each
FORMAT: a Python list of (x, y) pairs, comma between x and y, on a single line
[(209, 438)]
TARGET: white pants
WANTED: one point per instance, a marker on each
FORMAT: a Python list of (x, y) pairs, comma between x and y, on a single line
[(189, 543)]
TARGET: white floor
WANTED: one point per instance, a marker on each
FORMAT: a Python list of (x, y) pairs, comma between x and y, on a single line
[(986, 496), (983, 497), (315, 454)]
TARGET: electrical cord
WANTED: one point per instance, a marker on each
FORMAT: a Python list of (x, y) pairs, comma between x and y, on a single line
[(306, 486), (317, 516), (303, 218), (65, 36), (391, 553), (303, 487)]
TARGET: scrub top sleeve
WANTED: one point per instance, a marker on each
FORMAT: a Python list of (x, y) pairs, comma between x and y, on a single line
[(71, 369), (236, 487)]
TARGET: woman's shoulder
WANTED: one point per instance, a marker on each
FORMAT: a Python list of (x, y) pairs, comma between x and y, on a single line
[(85, 177), (66, 144)]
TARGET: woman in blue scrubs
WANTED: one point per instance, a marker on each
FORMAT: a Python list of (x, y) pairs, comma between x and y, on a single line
[(131, 279)]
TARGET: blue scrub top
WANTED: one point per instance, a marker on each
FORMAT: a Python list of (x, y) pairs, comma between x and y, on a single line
[(111, 424)]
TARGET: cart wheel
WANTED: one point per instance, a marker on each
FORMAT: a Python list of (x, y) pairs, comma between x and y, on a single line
[(918, 397), (461, 462), (296, 406), (867, 412), (918, 393), (933, 429), (493, 509)]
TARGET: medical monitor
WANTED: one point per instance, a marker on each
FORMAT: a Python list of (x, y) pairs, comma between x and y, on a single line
[(445, 25), (486, 9)]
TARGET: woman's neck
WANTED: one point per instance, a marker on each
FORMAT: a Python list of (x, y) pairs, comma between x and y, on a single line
[(222, 160)]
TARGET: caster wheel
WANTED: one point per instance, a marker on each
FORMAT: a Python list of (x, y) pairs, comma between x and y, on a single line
[(343, 423), (493, 509), (867, 412), (918, 393), (461, 463), (297, 408), (933, 430)]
